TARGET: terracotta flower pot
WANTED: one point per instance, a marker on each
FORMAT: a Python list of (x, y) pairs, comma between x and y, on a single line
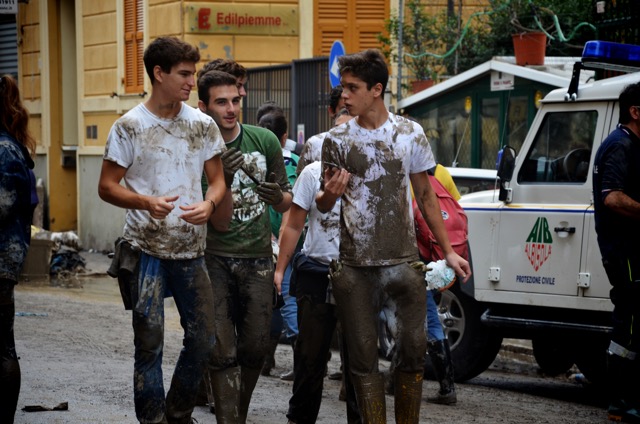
[(419, 85), (529, 48)]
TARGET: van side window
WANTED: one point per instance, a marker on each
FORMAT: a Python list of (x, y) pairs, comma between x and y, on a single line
[(561, 150)]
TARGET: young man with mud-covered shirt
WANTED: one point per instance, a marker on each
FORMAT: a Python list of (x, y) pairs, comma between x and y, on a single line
[(369, 163), (160, 149), (240, 258)]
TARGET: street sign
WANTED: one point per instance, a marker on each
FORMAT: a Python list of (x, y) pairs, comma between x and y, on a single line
[(337, 50), (9, 7)]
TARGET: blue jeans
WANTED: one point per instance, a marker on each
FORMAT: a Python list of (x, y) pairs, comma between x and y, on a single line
[(432, 323), (289, 310), (189, 283)]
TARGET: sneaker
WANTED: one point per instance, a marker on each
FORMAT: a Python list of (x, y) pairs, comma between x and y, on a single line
[(444, 399), (288, 376)]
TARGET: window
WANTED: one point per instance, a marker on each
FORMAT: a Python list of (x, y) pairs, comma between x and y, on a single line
[(8, 45), (133, 47), (561, 150), (357, 23)]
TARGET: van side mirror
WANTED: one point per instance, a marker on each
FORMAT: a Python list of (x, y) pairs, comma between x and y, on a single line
[(506, 163)]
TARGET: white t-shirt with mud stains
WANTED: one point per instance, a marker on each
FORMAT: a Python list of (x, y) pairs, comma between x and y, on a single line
[(323, 237), (376, 217), (311, 151), (164, 157)]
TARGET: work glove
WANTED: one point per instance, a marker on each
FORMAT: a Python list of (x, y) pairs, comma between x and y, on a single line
[(232, 160), (270, 191), (335, 267), (420, 267)]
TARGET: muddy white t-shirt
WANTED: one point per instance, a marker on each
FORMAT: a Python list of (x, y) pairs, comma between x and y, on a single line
[(311, 151), (323, 236), (376, 216), (164, 157)]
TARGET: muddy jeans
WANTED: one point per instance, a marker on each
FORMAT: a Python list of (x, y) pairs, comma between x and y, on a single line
[(242, 289), (188, 282), (359, 294), (9, 366)]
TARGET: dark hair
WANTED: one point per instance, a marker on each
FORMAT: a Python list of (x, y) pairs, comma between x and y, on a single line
[(368, 65), (630, 96), (167, 52), (14, 118), (276, 122), (213, 79), (334, 98), (225, 65), (269, 106)]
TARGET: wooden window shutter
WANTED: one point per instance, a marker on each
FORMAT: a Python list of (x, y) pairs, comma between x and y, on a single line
[(356, 23), (133, 47), (370, 15), (332, 23)]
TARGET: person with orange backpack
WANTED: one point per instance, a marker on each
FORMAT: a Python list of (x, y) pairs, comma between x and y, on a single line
[(455, 222)]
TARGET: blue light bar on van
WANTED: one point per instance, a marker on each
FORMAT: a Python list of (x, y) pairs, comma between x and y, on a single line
[(611, 55)]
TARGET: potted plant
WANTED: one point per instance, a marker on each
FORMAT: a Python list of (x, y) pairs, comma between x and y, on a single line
[(529, 41), (539, 21), (418, 32)]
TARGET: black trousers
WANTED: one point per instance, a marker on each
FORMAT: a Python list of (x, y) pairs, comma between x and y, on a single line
[(624, 275), (316, 324), (9, 366)]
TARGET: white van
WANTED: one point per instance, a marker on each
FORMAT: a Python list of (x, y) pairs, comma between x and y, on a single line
[(537, 269)]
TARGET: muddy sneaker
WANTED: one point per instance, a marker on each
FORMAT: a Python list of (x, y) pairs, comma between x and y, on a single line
[(444, 399), (622, 412)]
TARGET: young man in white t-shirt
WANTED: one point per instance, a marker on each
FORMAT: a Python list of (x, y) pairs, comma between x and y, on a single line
[(369, 164), (160, 149)]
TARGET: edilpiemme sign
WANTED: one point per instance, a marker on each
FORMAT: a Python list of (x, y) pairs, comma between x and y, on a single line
[(246, 19)]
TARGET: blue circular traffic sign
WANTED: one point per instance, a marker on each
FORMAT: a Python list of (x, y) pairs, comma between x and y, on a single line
[(337, 50)]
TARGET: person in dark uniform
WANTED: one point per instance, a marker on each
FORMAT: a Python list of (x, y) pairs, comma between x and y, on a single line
[(616, 189)]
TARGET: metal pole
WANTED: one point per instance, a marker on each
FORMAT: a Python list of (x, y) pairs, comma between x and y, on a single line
[(400, 58)]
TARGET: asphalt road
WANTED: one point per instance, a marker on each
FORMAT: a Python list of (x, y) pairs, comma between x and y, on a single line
[(75, 343)]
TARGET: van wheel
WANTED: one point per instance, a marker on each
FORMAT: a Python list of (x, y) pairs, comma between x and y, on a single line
[(473, 345), (553, 355)]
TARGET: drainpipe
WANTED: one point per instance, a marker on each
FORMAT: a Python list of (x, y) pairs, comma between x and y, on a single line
[(400, 58)]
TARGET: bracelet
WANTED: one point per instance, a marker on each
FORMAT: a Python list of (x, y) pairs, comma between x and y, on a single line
[(213, 204)]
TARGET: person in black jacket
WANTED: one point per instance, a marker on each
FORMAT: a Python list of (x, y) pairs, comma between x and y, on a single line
[(17, 202)]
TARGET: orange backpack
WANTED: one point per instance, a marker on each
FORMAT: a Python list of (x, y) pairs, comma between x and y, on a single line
[(455, 222)]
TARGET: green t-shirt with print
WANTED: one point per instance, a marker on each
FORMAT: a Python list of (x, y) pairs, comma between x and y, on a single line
[(249, 234)]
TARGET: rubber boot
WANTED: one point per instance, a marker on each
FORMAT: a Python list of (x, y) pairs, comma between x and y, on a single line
[(370, 395), (620, 372), (270, 359), (408, 397), (225, 385), (248, 379), (440, 355)]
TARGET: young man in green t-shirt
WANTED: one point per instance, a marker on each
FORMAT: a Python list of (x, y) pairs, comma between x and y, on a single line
[(239, 258)]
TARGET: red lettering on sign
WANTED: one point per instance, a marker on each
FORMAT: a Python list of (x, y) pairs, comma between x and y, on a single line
[(246, 20), (203, 18)]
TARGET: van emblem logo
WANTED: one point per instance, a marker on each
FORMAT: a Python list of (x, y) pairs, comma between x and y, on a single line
[(538, 245)]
